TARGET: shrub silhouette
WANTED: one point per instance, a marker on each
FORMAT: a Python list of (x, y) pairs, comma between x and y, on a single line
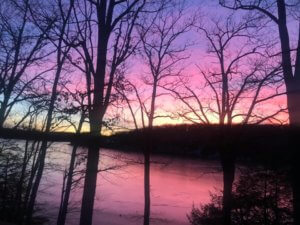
[(261, 197)]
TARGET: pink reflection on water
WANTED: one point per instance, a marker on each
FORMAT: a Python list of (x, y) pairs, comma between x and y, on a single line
[(176, 183)]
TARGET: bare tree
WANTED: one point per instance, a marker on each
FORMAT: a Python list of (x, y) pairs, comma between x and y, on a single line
[(162, 52), (279, 12), (22, 48), (62, 50), (77, 105), (106, 30), (21, 170), (236, 82), (131, 95), (276, 11), (162, 56)]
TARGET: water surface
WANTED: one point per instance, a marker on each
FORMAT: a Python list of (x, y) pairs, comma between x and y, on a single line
[(176, 184)]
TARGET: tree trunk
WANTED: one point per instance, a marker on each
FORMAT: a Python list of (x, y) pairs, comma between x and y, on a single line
[(293, 96), (96, 119), (36, 184), (65, 201), (20, 184), (294, 140), (33, 171), (44, 143), (90, 183), (3, 109), (293, 102), (228, 166), (63, 210), (147, 187)]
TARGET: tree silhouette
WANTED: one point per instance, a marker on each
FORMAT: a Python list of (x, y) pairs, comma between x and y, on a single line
[(114, 22), (235, 85), (259, 197), (22, 47), (279, 12)]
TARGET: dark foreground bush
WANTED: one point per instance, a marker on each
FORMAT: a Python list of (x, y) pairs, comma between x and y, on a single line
[(261, 197), (17, 170)]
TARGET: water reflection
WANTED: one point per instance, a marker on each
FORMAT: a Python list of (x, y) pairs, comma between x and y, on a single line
[(176, 184)]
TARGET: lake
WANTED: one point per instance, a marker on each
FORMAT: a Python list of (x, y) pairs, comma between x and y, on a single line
[(176, 184)]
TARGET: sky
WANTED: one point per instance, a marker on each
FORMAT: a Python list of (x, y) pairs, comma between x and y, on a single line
[(199, 58)]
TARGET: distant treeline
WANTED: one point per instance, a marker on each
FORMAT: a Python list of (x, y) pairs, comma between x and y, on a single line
[(260, 141)]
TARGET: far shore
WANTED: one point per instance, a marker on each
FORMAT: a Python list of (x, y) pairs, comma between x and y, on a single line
[(197, 141)]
